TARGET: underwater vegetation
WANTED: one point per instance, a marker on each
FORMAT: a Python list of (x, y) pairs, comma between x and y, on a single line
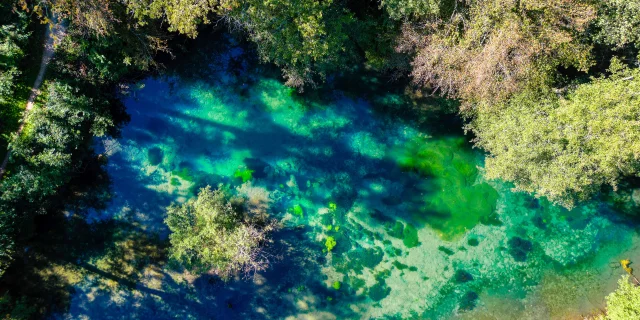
[(453, 202), (519, 248), (380, 216), (243, 173), (330, 243)]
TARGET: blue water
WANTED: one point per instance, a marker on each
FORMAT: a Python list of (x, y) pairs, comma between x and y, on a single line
[(419, 233)]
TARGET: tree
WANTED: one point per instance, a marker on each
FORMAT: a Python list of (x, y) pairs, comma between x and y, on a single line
[(214, 233), (12, 37), (54, 134), (565, 148), (306, 38), (486, 50), (105, 42)]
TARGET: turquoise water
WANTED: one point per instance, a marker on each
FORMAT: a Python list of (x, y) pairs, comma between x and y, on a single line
[(418, 232)]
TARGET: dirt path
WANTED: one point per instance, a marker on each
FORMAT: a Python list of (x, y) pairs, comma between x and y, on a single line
[(52, 34)]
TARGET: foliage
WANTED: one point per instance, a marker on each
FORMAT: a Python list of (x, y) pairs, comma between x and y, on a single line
[(624, 303), (13, 36), (488, 50), (411, 9), (619, 22), (214, 233), (336, 285), (45, 150), (565, 148), (304, 37), (104, 41)]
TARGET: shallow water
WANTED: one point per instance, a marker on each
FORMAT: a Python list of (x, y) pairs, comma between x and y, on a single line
[(418, 232)]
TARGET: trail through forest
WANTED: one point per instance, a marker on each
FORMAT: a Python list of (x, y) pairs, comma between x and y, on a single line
[(53, 32)]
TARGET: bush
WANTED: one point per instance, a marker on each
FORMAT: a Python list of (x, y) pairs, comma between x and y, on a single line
[(624, 303)]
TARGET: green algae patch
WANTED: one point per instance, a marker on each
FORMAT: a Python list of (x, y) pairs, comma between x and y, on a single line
[(446, 250), (175, 181), (410, 236), (453, 201), (243, 173), (379, 291), (408, 233), (363, 258), (397, 230), (336, 285), (399, 265), (297, 210)]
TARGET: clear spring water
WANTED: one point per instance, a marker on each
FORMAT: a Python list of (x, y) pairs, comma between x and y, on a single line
[(419, 234)]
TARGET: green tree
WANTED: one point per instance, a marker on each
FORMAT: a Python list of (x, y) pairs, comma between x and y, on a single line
[(43, 154), (215, 233), (565, 148), (619, 22), (624, 303), (12, 37), (306, 38)]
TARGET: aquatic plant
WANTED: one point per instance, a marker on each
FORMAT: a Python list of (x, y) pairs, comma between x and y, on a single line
[(330, 243), (333, 206), (361, 258), (336, 285), (399, 265), (397, 230), (243, 173), (184, 173), (379, 291), (410, 236), (297, 210), (446, 250)]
